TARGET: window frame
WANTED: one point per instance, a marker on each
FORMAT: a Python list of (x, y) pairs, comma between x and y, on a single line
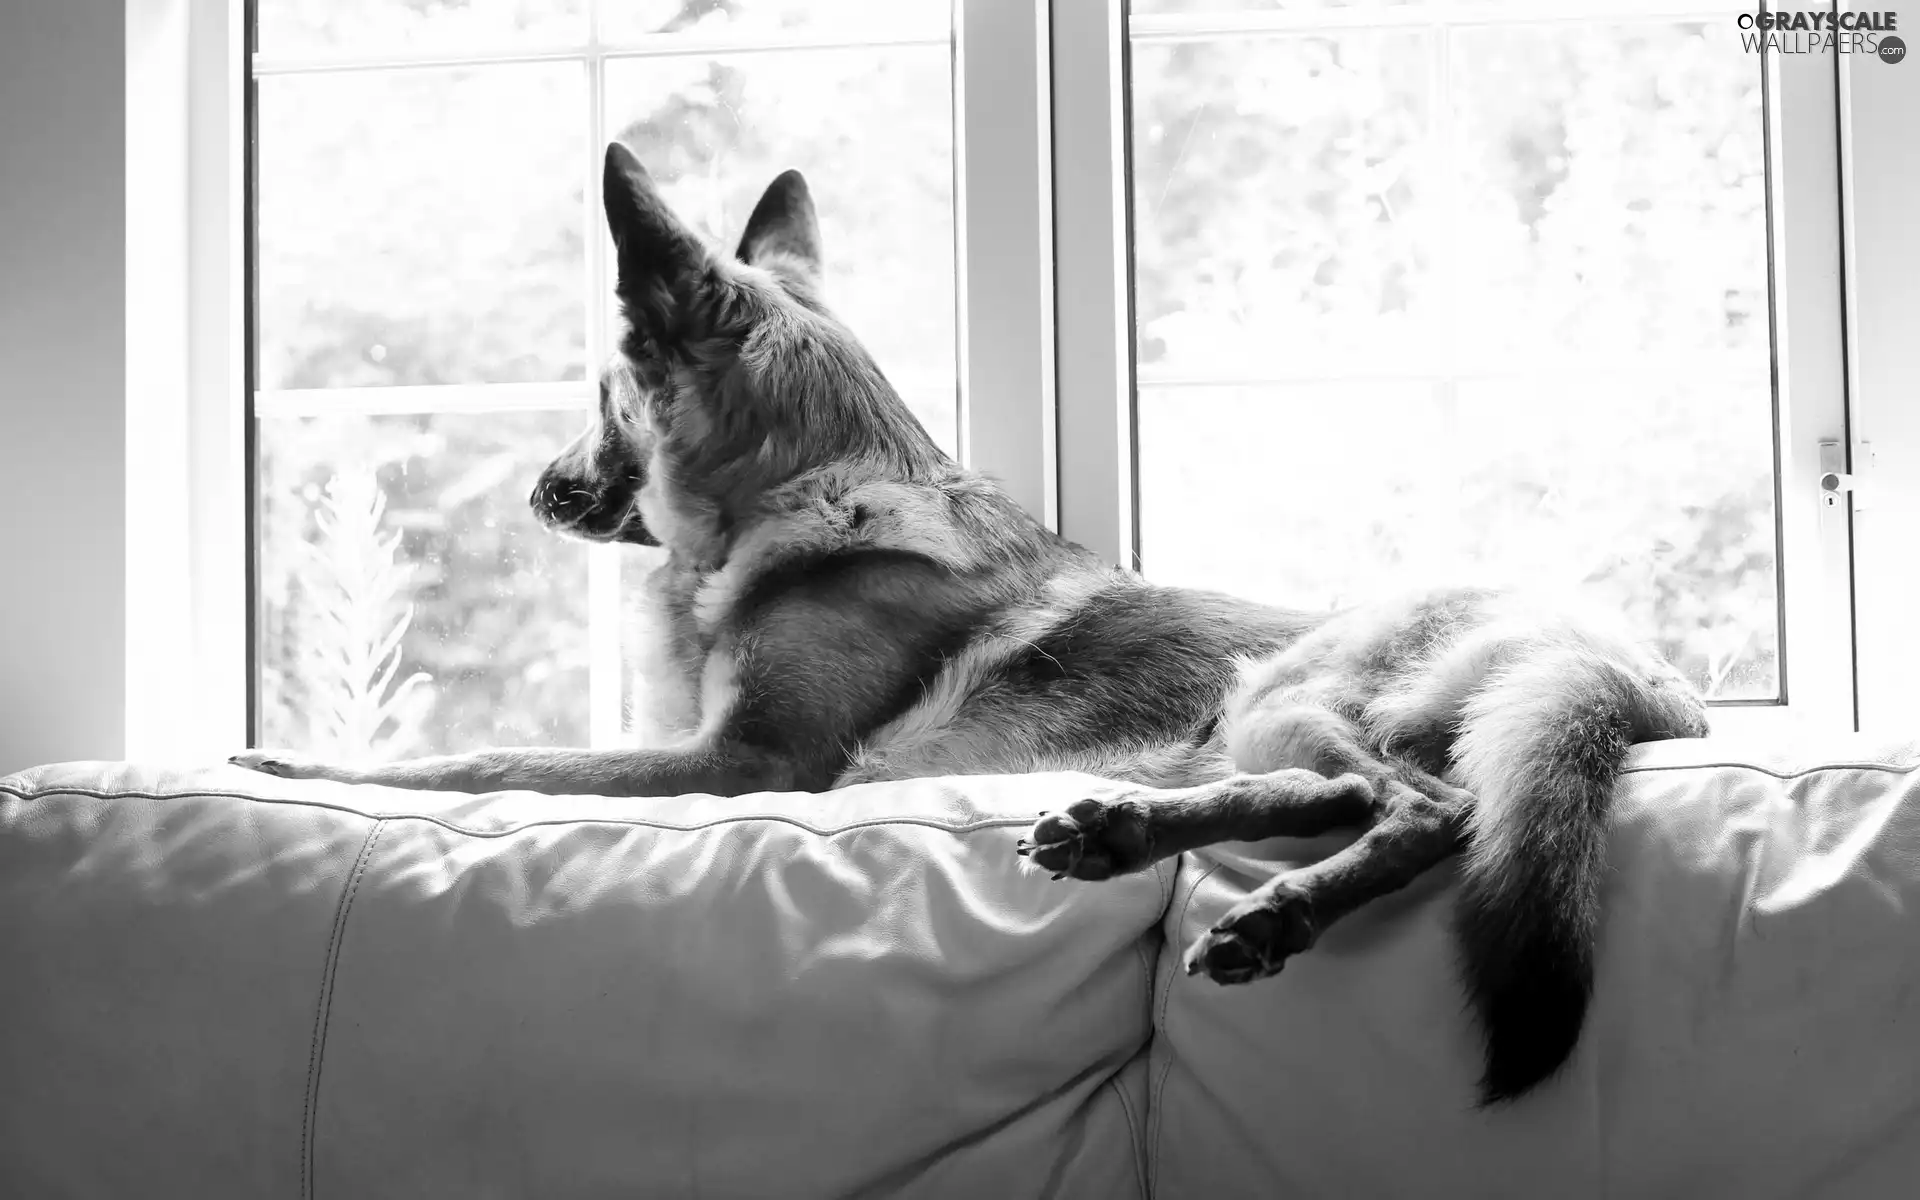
[(188, 665), (1047, 387), (1880, 175)]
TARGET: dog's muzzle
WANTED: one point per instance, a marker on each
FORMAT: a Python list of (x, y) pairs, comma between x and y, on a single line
[(568, 505), (561, 502)]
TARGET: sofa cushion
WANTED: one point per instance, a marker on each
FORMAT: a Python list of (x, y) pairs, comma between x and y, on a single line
[(222, 984), (1755, 1033)]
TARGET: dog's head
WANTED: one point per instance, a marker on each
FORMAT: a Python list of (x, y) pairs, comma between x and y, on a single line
[(591, 490), (732, 378)]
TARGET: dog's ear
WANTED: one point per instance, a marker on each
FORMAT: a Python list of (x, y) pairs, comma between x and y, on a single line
[(662, 264), (783, 234)]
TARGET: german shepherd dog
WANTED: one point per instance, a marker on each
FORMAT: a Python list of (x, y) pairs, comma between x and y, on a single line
[(847, 604)]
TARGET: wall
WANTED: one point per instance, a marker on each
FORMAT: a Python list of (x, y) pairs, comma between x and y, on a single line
[(63, 381)]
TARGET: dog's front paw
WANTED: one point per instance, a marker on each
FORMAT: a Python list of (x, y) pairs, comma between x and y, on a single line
[(287, 765), (1255, 937), (1092, 839)]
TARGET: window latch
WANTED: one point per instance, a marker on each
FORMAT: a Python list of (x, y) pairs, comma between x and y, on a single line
[(1835, 480)]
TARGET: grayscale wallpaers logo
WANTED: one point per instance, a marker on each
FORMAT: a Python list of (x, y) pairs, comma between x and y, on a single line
[(1830, 31)]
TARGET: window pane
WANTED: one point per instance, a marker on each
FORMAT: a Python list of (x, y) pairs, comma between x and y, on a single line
[(862, 19), (428, 227), (873, 132), (414, 532), (1475, 300), (1661, 510), (312, 28), (1280, 186), (422, 226), (1612, 199)]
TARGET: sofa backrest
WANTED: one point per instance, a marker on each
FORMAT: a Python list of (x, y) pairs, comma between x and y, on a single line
[(218, 984), (1755, 1032), (221, 984)]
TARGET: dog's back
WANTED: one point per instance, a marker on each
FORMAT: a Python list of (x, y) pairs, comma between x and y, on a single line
[(1096, 670), (984, 642)]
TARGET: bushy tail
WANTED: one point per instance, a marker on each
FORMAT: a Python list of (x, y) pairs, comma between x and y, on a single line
[(1541, 745)]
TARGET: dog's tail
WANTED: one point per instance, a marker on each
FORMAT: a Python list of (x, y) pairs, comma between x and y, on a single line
[(1541, 745)]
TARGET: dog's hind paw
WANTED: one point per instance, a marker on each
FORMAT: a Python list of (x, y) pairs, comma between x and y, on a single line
[(288, 766), (1254, 938), (1092, 839)]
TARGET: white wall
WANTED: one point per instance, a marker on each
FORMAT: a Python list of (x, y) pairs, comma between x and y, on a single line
[(63, 381)]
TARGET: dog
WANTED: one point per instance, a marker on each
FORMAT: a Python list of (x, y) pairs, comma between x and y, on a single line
[(845, 604)]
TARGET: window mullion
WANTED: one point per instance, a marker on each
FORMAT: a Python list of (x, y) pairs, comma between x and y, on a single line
[(387, 400), (605, 662), (208, 697), (1094, 327), (1004, 232)]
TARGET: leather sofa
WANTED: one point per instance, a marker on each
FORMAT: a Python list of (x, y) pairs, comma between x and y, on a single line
[(218, 984)]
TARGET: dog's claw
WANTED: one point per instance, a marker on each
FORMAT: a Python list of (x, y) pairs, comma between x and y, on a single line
[(285, 765), (254, 760), (1059, 875)]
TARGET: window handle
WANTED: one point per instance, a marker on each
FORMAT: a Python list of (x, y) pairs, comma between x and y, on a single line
[(1835, 480)]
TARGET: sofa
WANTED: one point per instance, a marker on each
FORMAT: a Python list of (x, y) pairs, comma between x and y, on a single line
[(218, 984)]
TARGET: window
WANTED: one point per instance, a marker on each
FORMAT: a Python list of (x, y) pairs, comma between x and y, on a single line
[(432, 304), (1300, 300), (1439, 292), (1473, 296)]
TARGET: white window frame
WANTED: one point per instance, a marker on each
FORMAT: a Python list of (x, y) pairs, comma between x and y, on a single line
[(186, 550), (1878, 105), (1045, 317)]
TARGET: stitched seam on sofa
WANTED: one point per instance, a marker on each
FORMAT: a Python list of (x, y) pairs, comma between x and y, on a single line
[(1150, 966), (637, 822), (1888, 768), (1156, 1102), (1163, 874), (1133, 1132), (818, 831), (996, 822), (902, 1180), (310, 1108)]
